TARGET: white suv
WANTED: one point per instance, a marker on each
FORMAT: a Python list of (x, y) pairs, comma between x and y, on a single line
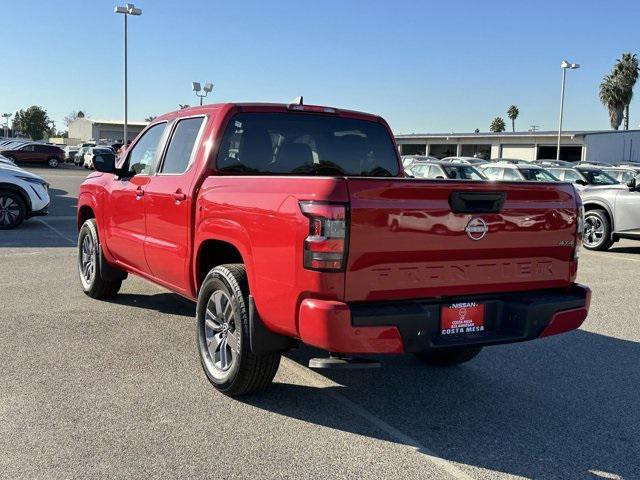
[(22, 195)]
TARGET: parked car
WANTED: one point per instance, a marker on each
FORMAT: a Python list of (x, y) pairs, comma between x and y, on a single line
[(79, 157), (620, 174), (409, 159), (515, 161), (506, 171), (466, 160), (70, 153), (611, 212), (552, 163), (22, 195), (92, 152), (35, 152), (440, 170), (281, 235)]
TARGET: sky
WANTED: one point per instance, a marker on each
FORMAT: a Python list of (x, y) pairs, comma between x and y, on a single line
[(425, 66)]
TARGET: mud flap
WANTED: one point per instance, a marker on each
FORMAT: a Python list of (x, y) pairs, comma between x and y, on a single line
[(262, 340)]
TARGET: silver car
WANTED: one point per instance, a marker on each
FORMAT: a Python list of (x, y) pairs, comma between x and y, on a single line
[(612, 212)]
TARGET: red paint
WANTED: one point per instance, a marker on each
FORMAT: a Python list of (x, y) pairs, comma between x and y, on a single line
[(327, 325), (402, 242), (568, 320)]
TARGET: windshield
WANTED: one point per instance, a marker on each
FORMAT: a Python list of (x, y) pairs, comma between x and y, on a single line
[(298, 143), (598, 177), (537, 175), (463, 172)]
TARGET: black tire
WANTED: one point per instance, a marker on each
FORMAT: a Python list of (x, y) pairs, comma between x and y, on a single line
[(597, 230), (245, 373), (92, 282), (449, 357), (13, 209), (53, 162)]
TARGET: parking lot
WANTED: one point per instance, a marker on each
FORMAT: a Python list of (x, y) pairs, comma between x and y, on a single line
[(95, 389)]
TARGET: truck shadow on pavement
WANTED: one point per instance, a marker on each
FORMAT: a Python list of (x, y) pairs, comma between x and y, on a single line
[(168, 303), (564, 407)]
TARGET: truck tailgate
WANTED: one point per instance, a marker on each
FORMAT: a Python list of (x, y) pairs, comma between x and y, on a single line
[(407, 242)]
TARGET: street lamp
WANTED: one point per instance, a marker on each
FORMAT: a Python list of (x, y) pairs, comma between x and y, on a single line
[(6, 117), (128, 9), (195, 86), (563, 66)]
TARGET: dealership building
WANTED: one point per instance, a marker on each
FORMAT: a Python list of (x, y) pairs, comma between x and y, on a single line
[(608, 146), (87, 129)]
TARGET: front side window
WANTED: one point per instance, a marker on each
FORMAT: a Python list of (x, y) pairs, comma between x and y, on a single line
[(492, 173), (306, 144), (141, 159), (180, 149), (598, 177), (463, 172), (537, 175), (420, 171), (28, 148)]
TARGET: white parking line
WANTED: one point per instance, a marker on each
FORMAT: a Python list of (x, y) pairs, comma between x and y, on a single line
[(324, 384), (71, 241)]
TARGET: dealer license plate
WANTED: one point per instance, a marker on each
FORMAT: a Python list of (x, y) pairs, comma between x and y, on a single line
[(463, 317)]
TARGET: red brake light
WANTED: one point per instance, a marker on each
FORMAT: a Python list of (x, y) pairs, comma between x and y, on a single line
[(324, 247)]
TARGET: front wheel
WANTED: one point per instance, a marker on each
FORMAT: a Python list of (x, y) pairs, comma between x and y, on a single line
[(597, 230), (53, 162), (89, 266), (13, 210), (448, 357), (222, 322)]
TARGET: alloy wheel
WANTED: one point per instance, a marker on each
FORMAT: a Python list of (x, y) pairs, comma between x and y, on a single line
[(9, 211), (87, 260), (222, 336), (594, 231)]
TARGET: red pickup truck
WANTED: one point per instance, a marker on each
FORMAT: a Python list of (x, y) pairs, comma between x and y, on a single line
[(281, 221)]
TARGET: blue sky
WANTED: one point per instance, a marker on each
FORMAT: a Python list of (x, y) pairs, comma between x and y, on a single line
[(425, 66)]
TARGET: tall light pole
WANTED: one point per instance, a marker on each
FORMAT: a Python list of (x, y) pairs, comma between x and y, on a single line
[(128, 9), (6, 117), (195, 86), (563, 66)]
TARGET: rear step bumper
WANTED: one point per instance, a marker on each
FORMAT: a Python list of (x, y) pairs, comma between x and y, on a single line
[(414, 325)]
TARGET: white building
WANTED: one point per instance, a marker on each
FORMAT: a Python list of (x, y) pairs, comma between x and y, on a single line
[(87, 129), (608, 146)]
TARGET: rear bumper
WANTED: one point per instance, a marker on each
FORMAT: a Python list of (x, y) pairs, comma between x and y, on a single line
[(414, 326)]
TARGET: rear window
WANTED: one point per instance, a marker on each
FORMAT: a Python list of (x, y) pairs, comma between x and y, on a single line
[(303, 144)]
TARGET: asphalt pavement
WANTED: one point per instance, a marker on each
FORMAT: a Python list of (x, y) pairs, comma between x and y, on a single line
[(97, 389)]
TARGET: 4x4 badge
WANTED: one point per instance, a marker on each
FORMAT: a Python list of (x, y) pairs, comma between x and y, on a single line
[(476, 229)]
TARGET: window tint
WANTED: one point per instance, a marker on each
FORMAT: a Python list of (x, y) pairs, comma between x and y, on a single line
[(598, 177), (300, 143), (142, 156), (511, 174), (28, 148), (181, 146)]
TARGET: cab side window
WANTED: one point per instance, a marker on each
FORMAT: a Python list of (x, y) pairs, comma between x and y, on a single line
[(142, 157), (511, 174), (180, 150)]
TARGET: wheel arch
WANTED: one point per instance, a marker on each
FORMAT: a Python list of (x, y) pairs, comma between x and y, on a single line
[(212, 252), (20, 191), (599, 205)]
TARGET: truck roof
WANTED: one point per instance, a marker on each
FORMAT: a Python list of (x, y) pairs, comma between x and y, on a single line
[(267, 107)]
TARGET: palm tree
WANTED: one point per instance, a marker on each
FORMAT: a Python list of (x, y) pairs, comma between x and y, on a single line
[(512, 113), (626, 70), (612, 96), (497, 125)]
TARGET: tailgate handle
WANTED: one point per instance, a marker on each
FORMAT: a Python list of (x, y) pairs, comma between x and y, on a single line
[(477, 202)]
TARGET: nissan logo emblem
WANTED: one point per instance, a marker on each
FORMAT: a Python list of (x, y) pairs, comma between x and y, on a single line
[(476, 229)]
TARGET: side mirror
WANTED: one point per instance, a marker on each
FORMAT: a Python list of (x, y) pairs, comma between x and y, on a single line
[(581, 182), (632, 184), (105, 163)]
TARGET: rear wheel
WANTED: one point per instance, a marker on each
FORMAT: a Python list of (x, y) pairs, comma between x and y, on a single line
[(597, 230), (89, 267), (449, 357), (222, 322), (53, 162), (13, 209)]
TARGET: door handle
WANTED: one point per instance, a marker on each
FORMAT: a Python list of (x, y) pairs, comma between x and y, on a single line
[(178, 196), (139, 192)]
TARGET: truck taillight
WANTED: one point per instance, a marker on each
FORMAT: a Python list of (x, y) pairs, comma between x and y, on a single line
[(325, 246), (579, 230)]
